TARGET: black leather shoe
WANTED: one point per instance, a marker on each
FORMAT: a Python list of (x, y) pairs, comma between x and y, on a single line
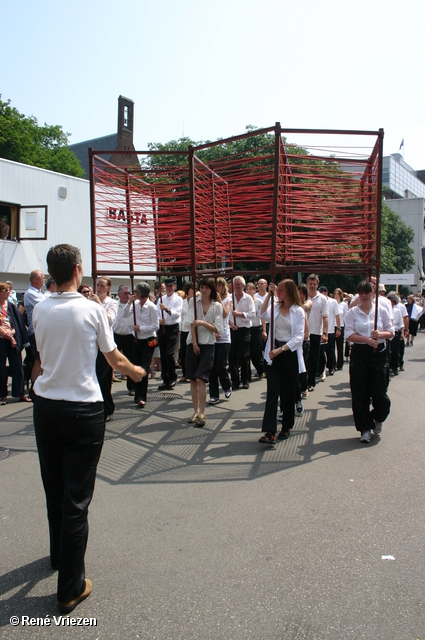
[(164, 387)]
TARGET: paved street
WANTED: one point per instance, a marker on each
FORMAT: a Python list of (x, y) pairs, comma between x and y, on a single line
[(206, 534)]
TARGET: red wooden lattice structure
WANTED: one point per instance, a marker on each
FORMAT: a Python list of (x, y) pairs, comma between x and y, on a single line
[(314, 207)]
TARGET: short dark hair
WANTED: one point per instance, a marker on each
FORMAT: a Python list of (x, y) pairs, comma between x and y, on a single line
[(364, 287), (143, 289), (313, 276), (187, 287), (61, 262), (303, 287), (49, 282)]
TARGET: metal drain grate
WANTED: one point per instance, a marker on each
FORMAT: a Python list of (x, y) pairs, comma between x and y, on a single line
[(164, 396)]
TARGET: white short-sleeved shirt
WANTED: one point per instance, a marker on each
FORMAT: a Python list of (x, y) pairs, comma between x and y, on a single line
[(400, 306), (123, 325), (333, 310), (225, 334), (69, 331), (362, 324), (174, 303), (343, 309), (256, 322), (213, 316), (111, 307), (398, 319), (247, 307), (146, 318), (319, 310)]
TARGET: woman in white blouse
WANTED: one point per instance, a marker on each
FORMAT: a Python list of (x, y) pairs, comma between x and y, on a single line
[(201, 346), (145, 328), (219, 371), (368, 362), (284, 357)]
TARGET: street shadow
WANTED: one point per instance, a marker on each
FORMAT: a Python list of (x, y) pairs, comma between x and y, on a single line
[(335, 446), (17, 592), (156, 444)]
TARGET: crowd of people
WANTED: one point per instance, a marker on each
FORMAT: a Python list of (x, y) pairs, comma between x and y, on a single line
[(220, 343), (76, 339)]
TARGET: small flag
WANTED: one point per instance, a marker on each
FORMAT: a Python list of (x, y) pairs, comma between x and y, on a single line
[(402, 144)]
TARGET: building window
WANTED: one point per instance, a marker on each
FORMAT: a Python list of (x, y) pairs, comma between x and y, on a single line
[(23, 222), (8, 221), (126, 117)]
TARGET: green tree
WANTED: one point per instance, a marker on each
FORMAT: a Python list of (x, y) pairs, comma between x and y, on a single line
[(396, 254), (22, 139)]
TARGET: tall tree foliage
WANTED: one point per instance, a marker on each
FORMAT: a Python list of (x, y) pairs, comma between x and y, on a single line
[(22, 139), (396, 254)]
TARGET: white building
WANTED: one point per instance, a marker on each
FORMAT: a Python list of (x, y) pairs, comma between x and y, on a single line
[(39, 209), (404, 193)]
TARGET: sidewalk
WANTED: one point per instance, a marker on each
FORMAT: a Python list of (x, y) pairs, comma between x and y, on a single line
[(204, 533)]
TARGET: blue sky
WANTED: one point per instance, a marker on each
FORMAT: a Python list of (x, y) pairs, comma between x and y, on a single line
[(208, 69)]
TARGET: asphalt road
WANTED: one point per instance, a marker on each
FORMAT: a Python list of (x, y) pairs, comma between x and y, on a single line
[(206, 534)]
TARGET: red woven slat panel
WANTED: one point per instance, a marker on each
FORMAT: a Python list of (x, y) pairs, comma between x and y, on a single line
[(326, 213)]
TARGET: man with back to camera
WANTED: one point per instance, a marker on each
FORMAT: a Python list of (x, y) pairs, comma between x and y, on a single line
[(69, 417)]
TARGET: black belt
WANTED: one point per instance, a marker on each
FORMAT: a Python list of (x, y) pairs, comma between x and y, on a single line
[(279, 343), (365, 347)]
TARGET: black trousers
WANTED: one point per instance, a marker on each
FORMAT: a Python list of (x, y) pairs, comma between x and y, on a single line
[(401, 352), (302, 377), (219, 370), (127, 346), (256, 347), (395, 351), (339, 341), (239, 355), (16, 370), (104, 376), (69, 441), (369, 381), (167, 339), (313, 359), (144, 355), (182, 351), (282, 376), (330, 352)]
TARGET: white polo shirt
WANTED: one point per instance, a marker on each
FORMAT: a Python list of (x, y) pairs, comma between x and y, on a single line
[(69, 330), (319, 310)]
